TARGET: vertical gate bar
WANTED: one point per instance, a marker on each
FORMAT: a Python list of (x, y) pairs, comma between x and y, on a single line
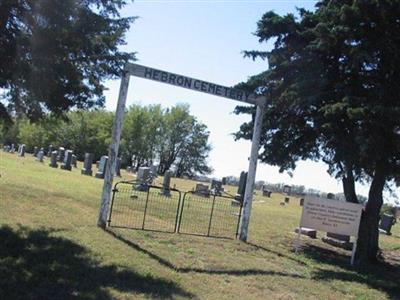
[(238, 222), (177, 211), (181, 213), (211, 215), (112, 204), (145, 207)]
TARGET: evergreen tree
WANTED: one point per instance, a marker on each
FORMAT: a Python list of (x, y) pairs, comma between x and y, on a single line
[(333, 95)]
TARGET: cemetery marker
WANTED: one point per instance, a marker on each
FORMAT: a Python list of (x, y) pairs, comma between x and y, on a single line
[(192, 84)]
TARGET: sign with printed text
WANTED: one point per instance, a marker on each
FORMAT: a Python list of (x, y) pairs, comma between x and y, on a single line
[(190, 83), (331, 216)]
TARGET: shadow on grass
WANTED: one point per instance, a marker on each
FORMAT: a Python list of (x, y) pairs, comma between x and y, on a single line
[(381, 276), (168, 264), (36, 265)]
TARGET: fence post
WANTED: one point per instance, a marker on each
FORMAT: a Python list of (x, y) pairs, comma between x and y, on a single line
[(112, 204), (145, 207), (211, 215), (177, 210)]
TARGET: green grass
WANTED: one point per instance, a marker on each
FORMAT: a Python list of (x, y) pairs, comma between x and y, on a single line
[(50, 248)]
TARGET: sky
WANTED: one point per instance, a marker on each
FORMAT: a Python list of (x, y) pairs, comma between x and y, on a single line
[(205, 40)]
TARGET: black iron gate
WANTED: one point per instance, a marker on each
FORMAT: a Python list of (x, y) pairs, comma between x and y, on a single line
[(154, 208), (214, 215), (144, 207)]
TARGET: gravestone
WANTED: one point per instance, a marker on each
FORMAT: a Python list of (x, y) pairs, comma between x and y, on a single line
[(61, 154), (312, 233), (73, 162), (144, 179), (67, 164), (87, 165), (338, 240), (12, 148), (49, 150), (287, 199), (242, 187), (40, 156), (287, 189), (21, 151), (301, 201), (330, 196), (202, 190), (143, 175), (386, 223), (35, 151), (265, 191), (53, 159), (101, 170), (166, 183), (216, 187), (118, 167)]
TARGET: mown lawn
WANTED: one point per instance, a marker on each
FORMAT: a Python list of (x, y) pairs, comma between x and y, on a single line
[(50, 248)]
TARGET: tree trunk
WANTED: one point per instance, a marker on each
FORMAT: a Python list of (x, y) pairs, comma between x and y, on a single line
[(368, 234), (349, 187)]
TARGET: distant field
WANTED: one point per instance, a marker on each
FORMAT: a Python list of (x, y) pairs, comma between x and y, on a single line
[(51, 248)]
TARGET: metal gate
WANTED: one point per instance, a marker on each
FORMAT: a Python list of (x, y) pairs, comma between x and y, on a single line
[(215, 216), (144, 207), (154, 208)]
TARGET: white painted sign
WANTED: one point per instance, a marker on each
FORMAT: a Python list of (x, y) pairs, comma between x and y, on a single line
[(190, 83), (331, 216)]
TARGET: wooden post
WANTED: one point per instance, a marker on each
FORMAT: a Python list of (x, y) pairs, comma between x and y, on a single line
[(113, 150), (248, 194)]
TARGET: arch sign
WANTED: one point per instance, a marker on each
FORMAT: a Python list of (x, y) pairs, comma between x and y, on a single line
[(192, 84)]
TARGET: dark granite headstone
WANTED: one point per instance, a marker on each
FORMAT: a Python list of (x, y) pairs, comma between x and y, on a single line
[(386, 223), (60, 154), (87, 165), (67, 164), (53, 159), (242, 186), (101, 170)]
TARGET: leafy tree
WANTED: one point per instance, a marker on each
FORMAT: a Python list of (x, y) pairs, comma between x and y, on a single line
[(140, 134), (54, 55), (192, 159), (333, 96)]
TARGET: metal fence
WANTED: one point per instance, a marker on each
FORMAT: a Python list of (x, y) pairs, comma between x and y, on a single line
[(152, 208)]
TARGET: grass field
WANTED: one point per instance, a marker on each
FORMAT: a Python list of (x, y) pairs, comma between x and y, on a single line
[(50, 248)]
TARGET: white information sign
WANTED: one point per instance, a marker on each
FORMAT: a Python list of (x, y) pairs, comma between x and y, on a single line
[(331, 216)]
